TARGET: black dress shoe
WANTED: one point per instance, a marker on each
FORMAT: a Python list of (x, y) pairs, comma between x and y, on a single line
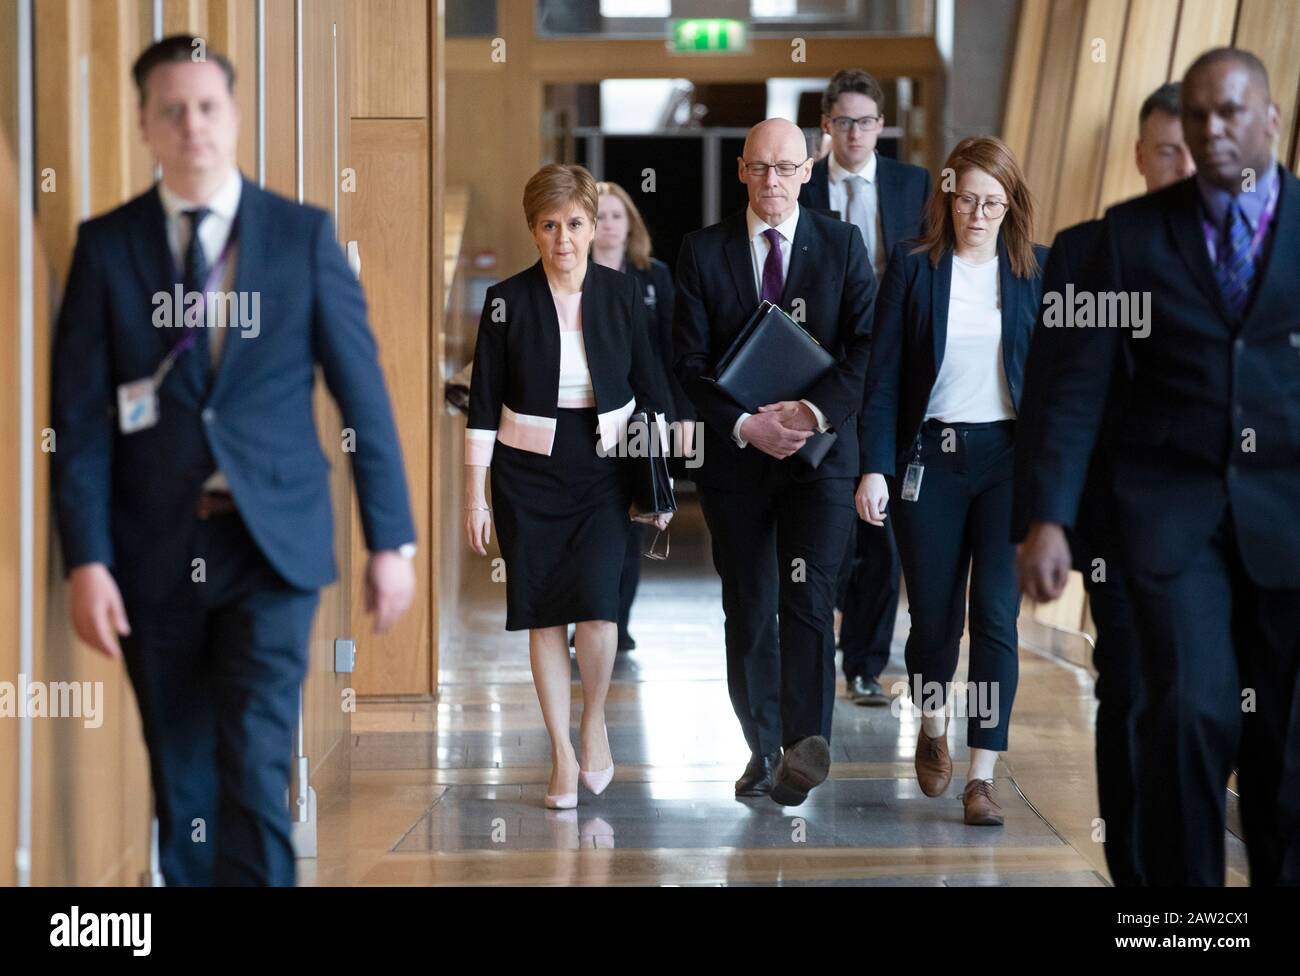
[(803, 766), (867, 691), (759, 775)]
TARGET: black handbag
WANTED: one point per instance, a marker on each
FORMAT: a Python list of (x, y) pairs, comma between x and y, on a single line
[(645, 464)]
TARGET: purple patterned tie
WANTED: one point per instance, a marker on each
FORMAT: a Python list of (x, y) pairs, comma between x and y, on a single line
[(773, 278)]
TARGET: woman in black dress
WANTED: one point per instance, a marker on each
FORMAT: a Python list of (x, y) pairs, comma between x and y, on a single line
[(562, 358)]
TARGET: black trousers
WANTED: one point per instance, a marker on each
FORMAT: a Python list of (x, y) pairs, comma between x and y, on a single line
[(1119, 697), (869, 585), (630, 578), (1220, 659), (959, 525), (217, 667), (777, 548)]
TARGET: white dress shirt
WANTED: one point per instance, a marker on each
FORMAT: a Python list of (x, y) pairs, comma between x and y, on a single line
[(214, 232), (758, 248), (972, 385), (837, 188)]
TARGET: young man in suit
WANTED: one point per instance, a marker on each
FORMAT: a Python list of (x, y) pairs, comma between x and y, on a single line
[(192, 494), (885, 200), (778, 524), (1205, 488), (1162, 159)]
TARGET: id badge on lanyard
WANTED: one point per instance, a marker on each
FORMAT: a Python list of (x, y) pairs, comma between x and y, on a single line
[(912, 478), (137, 401)]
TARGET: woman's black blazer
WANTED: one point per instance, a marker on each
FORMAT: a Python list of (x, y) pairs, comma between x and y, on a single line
[(515, 383), (908, 341)]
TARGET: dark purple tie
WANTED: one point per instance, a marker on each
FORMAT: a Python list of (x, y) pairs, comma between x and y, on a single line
[(773, 279)]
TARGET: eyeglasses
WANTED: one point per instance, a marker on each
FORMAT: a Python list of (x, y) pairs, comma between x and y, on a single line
[(992, 209), (759, 170), (652, 552), (868, 123)]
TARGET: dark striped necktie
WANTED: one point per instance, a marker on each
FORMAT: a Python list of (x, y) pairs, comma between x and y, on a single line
[(196, 279), (1235, 268)]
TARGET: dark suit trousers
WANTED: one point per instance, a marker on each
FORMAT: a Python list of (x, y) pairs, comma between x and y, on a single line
[(868, 597), (778, 548), (217, 667), (960, 524), (1119, 696), (1220, 659)]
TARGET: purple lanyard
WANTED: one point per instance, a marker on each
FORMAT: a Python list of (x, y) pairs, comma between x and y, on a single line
[(191, 337), (1213, 232)]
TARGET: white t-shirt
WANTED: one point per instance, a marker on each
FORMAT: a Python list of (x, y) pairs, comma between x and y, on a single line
[(971, 386)]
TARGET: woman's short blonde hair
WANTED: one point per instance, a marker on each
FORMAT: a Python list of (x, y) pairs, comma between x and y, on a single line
[(559, 185)]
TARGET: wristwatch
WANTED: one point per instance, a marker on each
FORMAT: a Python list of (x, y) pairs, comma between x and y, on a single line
[(406, 551)]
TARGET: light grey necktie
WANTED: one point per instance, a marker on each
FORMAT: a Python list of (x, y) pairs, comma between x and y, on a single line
[(857, 191)]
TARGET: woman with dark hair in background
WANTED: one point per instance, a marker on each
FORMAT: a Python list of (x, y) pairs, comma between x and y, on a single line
[(623, 243), (952, 325)]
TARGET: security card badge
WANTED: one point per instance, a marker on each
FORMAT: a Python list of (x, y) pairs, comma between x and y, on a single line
[(137, 405), (912, 482)]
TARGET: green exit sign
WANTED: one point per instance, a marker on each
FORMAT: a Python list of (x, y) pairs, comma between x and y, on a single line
[(712, 34)]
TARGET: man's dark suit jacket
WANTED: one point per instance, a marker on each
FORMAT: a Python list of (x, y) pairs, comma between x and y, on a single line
[(902, 192), (911, 334), (1213, 420), (716, 295), (128, 500), (1044, 453)]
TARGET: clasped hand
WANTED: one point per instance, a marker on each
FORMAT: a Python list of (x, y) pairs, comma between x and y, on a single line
[(779, 429)]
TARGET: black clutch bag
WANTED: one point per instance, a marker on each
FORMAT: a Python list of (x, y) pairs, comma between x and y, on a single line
[(774, 358), (646, 466)]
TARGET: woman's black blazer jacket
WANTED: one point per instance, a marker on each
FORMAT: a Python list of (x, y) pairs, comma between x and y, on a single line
[(515, 383), (908, 341)]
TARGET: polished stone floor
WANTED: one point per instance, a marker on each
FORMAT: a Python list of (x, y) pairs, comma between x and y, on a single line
[(451, 792)]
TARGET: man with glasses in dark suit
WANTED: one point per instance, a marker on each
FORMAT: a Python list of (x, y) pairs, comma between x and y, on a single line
[(778, 525)]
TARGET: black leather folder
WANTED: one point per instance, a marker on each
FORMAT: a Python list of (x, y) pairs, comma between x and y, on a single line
[(775, 358)]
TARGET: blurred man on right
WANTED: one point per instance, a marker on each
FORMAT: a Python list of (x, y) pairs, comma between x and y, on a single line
[(1048, 490), (1205, 488)]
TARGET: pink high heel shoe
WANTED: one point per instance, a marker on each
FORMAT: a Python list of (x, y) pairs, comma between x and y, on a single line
[(597, 779), (561, 801)]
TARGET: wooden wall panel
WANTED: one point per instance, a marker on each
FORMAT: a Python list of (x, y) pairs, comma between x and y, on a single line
[(1026, 65), (10, 583), (389, 221), (281, 119), (1202, 24), (1144, 67), (1271, 30), (1042, 163), (390, 54), (1101, 44), (232, 30)]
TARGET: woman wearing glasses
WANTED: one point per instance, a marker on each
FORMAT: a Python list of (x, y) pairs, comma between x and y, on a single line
[(561, 359), (952, 326)]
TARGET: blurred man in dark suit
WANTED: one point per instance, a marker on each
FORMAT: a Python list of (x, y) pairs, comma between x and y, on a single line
[(192, 493), (778, 524), (1042, 474), (1205, 485), (884, 199)]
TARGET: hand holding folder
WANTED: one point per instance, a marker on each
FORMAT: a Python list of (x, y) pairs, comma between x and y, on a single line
[(775, 359)]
